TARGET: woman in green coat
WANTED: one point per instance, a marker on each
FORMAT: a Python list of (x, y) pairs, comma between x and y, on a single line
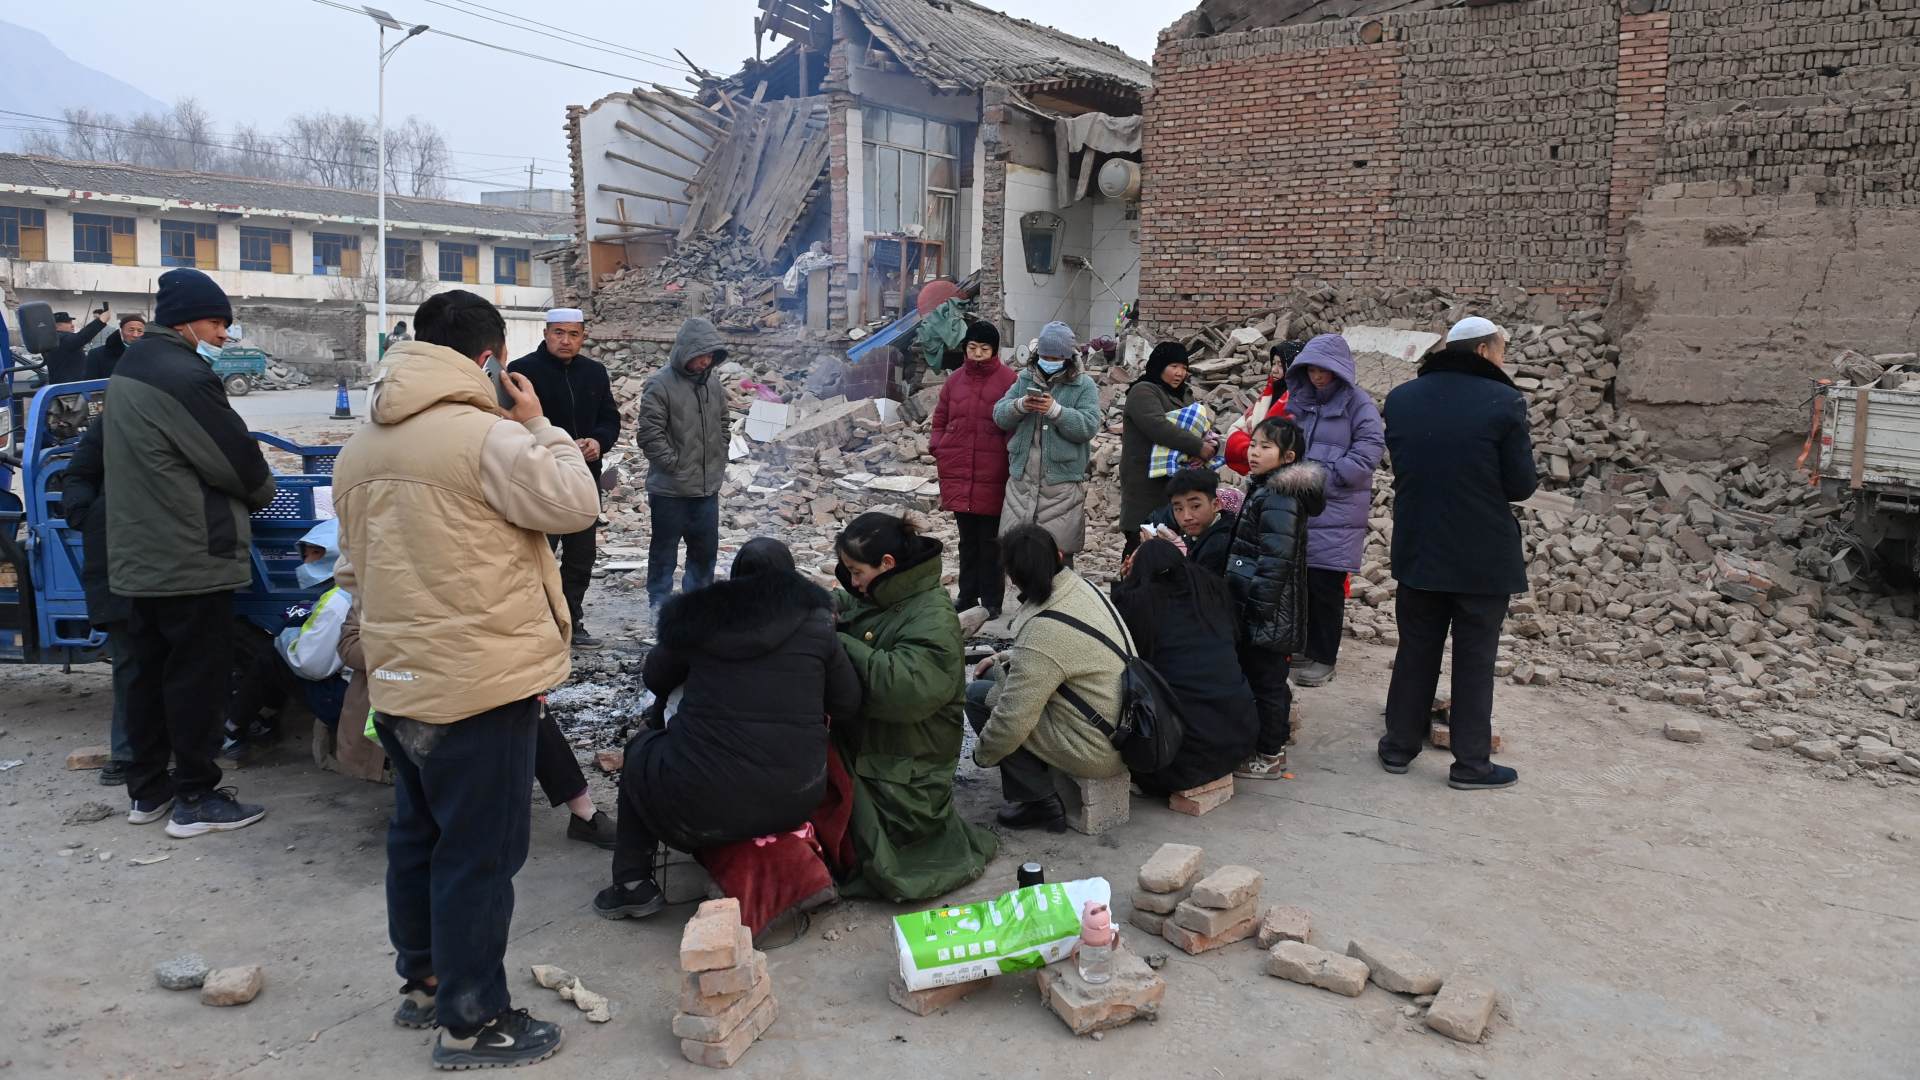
[(903, 638), (1050, 414)]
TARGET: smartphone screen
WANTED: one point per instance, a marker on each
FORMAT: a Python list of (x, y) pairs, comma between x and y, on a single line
[(494, 376)]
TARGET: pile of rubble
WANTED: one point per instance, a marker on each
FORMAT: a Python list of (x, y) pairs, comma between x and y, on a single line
[(716, 275), (279, 376)]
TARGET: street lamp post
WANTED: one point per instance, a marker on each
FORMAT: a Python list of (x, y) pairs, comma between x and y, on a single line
[(386, 23)]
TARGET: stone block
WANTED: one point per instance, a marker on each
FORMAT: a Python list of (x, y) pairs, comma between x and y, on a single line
[(89, 757), (1095, 806), (1194, 944), (1684, 729), (188, 972), (723, 1055), (1462, 1008), (1228, 887), (717, 1026), (1213, 921), (233, 986), (734, 980), (1160, 903), (1172, 868), (1395, 968), (1284, 922), (1151, 921), (1134, 991), (1818, 749), (1303, 963), (928, 1002)]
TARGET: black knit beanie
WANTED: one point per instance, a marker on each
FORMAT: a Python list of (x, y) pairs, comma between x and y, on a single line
[(187, 295), (984, 332)]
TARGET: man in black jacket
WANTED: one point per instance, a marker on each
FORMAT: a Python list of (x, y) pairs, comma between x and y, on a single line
[(578, 398), (67, 361), (1461, 453), (102, 361), (83, 501)]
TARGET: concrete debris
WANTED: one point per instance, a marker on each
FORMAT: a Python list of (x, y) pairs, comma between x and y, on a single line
[(89, 757), (1683, 728), (89, 812), (187, 972)]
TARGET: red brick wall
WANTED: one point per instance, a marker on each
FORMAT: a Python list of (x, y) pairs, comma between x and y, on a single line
[(1640, 115)]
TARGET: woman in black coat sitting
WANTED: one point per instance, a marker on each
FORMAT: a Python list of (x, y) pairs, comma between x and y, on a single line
[(745, 754), (1181, 619)]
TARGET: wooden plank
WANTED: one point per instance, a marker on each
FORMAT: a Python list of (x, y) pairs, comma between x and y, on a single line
[(644, 137), (687, 180), (1858, 479), (660, 116), (639, 233), (635, 225), (708, 123), (610, 189)]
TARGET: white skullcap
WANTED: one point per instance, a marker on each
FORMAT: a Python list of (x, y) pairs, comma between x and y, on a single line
[(566, 314), (1473, 328)]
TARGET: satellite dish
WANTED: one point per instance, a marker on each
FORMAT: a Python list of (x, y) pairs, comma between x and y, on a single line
[(1120, 179)]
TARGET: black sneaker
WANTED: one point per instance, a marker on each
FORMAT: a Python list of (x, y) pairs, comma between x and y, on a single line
[(146, 813), (600, 832), (635, 900), (416, 1007), (1395, 767), (510, 1039), (1046, 813), (216, 811), (1495, 778), (113, 774), (584, 640)]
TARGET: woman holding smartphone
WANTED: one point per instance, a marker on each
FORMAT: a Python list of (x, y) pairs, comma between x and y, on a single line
[(1051, 413)]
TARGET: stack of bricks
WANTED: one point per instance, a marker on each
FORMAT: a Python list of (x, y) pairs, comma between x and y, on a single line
[(1164, 881), (1224, 907), (1206, 798), (726, 997)]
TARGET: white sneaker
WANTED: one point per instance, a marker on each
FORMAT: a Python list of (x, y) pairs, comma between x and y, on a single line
[(148, 813), (1263, 767)]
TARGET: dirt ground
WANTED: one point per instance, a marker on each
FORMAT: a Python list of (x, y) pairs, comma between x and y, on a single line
[(1647, 908)]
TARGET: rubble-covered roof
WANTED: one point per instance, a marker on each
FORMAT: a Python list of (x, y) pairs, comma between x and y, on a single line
[(958, 45), (239, 192), (1234, 16)]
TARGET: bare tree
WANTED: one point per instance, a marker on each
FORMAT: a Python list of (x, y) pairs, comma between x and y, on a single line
[(193, 136), (416, 160)]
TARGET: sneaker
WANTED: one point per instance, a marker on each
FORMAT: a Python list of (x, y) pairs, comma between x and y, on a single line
[(146, 813), (1313, 673), (1495, 778), (600, 832), (1262, 766), (510, 1039), (113, 774), (416, 1007), (216, 811), (635, 900), (1398, 768), (584, 640), (1047, 813)]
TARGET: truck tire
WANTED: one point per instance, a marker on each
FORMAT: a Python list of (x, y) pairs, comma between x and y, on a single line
[(238, 385)]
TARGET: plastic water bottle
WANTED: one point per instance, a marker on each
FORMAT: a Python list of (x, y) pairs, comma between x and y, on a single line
[(1094, 957)]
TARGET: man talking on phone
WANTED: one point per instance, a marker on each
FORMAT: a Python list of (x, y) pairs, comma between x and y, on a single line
[(446, 501)]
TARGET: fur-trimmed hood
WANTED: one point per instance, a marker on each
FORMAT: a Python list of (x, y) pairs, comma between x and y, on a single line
[(738, 619), (1299, 478)]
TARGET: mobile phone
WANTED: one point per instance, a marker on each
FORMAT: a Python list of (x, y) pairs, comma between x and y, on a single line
[(1036, 393), (497, 377)]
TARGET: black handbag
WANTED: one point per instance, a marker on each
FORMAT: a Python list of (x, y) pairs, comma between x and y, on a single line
[(1149, 730)]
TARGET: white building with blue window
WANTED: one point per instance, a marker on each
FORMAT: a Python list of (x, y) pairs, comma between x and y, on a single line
[(296, 259)]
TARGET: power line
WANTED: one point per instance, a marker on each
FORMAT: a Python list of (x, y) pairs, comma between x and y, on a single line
[(502, 48), (528, 26)]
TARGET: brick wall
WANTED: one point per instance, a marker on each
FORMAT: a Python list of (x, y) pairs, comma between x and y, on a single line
[(1639, 118)]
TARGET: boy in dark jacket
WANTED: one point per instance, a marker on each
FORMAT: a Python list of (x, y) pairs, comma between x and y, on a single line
[(1267, 571), (1193, 511)]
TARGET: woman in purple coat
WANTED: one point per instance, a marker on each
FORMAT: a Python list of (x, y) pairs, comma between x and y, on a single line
[(1344, 433)]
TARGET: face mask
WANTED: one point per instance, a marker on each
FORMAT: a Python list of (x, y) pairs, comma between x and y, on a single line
[(207, 352), (1051, 367), (311, 574)]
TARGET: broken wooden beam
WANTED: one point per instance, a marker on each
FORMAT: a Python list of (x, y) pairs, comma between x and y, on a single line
[(687, 180), (649, 108), (635, 226), (643, 232), (644, 137), (709, 123), (611, 190)]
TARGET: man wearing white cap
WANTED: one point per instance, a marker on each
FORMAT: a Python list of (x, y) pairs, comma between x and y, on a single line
[(1461, 453), (578, 399)]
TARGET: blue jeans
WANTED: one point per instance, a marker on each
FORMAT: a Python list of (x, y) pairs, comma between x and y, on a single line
[(697, 521), (458, 836)]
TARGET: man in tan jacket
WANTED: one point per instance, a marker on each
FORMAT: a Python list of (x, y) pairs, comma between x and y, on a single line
[(445, 506)]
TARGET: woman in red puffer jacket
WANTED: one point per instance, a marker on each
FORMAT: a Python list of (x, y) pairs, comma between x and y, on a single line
[(1273, 402), (971, 453)]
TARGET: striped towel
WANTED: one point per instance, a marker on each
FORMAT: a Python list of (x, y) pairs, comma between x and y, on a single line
[(1197, 418)]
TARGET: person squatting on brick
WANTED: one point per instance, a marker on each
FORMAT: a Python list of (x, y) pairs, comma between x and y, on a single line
[(1461, 454), (445, 507)]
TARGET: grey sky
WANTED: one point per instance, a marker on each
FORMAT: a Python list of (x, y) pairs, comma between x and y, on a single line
[(260, 61)]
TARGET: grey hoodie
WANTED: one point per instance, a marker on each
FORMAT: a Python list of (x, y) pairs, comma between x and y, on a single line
[(683, 425)]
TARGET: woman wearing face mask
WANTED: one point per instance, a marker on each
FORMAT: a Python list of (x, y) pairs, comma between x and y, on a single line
[(903, 639), (1161, 390), (971, 452), (1052, 412)]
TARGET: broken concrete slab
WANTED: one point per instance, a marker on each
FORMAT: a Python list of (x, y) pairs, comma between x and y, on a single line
[(1135, 990)]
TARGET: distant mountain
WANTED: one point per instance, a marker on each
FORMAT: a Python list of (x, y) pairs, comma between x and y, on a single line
[(37, 78)]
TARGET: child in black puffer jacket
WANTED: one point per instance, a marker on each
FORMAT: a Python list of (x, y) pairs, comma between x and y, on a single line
[(1267, 571)]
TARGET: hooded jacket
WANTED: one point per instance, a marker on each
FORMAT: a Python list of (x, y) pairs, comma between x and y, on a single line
[(683, 420), (83, 502), (905, 644), (1145, 426), (745, 755), (445, 507), (969, 448), (1461, 453), (1344, 433), (1267, 566), (576, 396), (186, 474), (1047, 654)]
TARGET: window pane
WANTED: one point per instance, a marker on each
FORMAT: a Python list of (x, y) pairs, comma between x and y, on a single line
[(873, 124), (905, 129), (913, 189), (92, 238), (943, 174), (869, 195), (889, 190), (939, 137), (940, 222)]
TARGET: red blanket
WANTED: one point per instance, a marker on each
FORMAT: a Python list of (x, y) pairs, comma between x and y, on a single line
[(770, 875)]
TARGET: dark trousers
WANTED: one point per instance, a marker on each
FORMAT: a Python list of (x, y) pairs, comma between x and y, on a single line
[(262, 681), (1266, 673), (634, 844), (981, 581), (181, 651), (1424, 620), (458, 835), (1024, 778), (697, 521), (554, 765), (576, 568), (117, 742), (1326, 614)]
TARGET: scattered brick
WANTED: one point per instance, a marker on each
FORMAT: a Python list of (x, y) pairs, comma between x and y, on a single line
[(1194, 944), (1212, 922), (1134, 991), (1395, 968), (1171, 869), (1284, 922), (1228, 887), (1303, 963), (928, 1002), (1462, 1008)]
